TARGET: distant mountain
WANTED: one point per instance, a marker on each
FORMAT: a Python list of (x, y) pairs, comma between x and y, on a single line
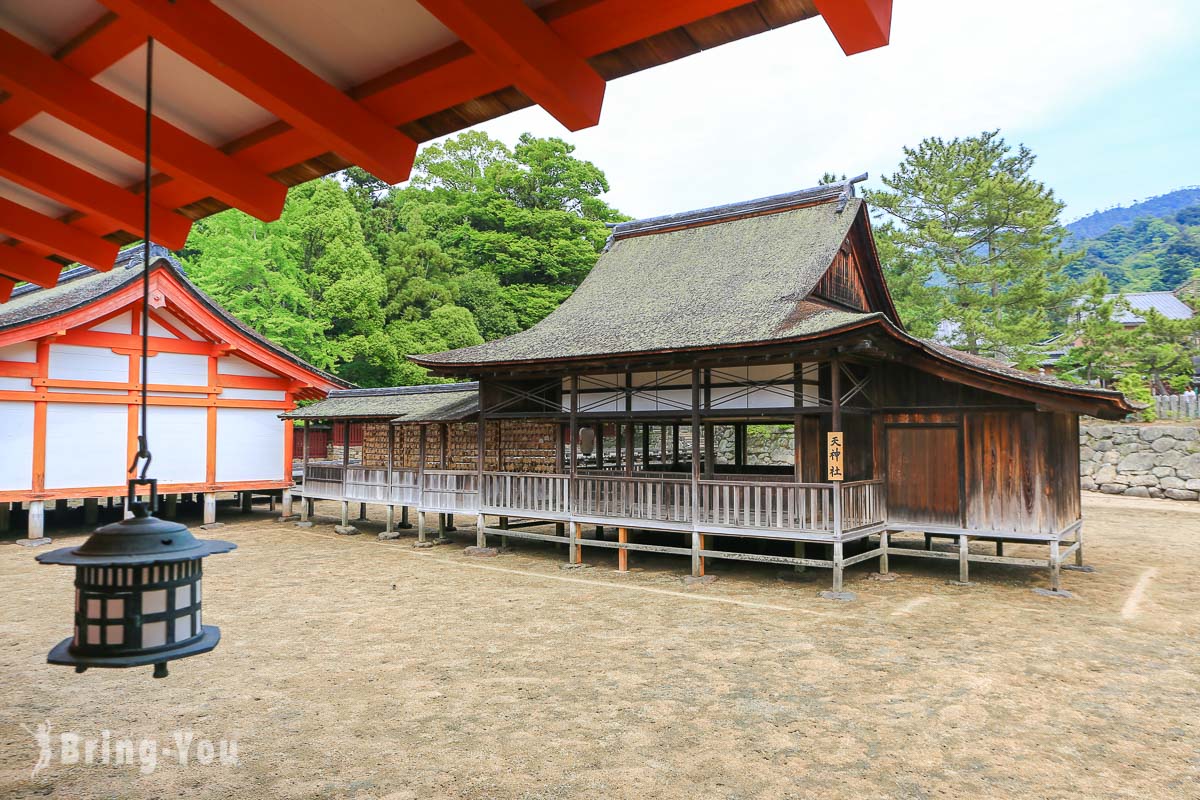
[(1099, 223), (1156, 250)]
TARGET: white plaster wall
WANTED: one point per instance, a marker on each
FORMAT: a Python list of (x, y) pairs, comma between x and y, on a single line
[(16, 384), (232, 365), (179, 369), (22, 351), (253, 394), (249, 445), (16, 444), (177, 323), (77, 363), (179, 442), (85, 445), (122, 323)]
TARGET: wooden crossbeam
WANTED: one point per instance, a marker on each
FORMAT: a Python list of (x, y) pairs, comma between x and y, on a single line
[(6, 289), (25, 164), (23, 266), (858, 25), (219, 44), (31, 226), (518, 43), (119, 123)]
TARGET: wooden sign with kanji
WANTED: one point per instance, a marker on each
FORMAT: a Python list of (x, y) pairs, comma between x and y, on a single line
[(834, 454)]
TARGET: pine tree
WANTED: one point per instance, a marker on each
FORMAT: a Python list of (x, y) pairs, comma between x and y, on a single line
[(970, 207)]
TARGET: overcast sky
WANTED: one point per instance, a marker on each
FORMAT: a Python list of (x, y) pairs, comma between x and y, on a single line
[(1106, 93)]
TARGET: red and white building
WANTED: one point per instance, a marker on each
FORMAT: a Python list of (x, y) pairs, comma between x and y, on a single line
[(70, 384)]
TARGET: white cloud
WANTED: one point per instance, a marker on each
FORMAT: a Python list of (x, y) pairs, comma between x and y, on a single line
[(773, 112)]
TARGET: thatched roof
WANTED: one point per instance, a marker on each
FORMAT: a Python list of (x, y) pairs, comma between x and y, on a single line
[(737, 274), (81, 286), (439, 402)]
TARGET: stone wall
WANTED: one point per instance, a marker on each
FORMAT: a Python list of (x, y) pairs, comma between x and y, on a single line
[(1141, 460)]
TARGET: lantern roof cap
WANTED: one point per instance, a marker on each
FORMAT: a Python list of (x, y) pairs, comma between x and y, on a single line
[(137, 540)]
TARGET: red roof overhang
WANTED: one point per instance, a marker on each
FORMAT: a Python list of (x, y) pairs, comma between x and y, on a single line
[(253, 96)]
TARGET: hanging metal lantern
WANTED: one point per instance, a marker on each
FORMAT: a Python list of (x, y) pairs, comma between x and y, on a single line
[(137, 594)]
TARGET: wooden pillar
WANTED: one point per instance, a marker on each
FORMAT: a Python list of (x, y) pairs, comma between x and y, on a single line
[(91, 510), (835, 388), (599, 429), (964, 575), (287, 503), (1079, 550), (345, 513), (695, 443), (662, 446), (739, 446), (421, 526), (1000, 547), (172, 506), (573, 554), (306, 509), (391, 465), (345, 465), (362, 510), (1055, 567), (883, 553), (247, 501), (5, 517), (210, 508), (697, 559), (837, 565), (480, 457), (675, 446), (60, 511), (646, 447), (404, 523), (628, 429), (37, 519), (422, 437), (622, 553), (390, 521)]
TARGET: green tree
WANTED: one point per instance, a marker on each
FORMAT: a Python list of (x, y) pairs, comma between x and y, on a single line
[(970, 206), (1100, 342)]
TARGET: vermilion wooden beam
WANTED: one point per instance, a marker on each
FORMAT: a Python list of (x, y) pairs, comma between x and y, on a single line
[(114, 120), (25, 164), (30, 226), (219, 44), (6, 289), (518, 43), (23, 266), (858, 25)]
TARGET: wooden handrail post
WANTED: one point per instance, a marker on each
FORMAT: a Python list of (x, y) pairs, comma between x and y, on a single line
[(695, 446), (573, 464)]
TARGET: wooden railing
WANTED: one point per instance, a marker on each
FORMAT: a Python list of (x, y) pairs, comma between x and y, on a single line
[(781, 506), (526, 493), (622, 497), (863, 504), (450, 490), (723, 502)]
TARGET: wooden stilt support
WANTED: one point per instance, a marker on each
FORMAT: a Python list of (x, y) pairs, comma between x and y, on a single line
[(390, 523), (404, 523), (576, 549), (60, 511), (1079, 549), (928, 541), (421, 538), (36, 520), (480, 536), (210, 508), (110, 504), (247, 502), (172, 506), (287, 502), (91, 510), (964, 575), (883, 553), (307, 506), (362, 510), (837, 566), (5, 517), (345, 514), (127, 512), (1000, 547), (799, 551), (1055, 568), (622, 553), (697, 559)]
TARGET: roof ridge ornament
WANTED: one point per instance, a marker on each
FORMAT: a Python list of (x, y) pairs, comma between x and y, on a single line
[(848, 191)]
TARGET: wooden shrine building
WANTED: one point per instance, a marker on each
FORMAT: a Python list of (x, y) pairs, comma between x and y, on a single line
[(692, 328), (70, 392)]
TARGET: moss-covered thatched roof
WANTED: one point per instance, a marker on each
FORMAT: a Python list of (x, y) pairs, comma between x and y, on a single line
[(439, 402), (716, 281)]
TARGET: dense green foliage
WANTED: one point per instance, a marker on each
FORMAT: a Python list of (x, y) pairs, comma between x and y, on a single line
[(1149, 254), (355, 275)]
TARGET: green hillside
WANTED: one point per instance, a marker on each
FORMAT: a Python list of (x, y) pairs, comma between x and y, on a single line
[(1152, 252)]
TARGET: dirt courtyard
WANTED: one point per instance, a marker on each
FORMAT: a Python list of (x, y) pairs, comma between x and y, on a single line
[(354, 668)]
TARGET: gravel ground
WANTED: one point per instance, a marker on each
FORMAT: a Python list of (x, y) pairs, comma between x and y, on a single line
[(353, 668)]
